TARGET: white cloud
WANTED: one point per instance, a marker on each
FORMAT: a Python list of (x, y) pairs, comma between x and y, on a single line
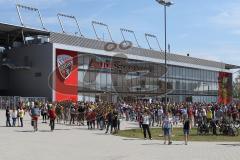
[(227, 53), (228, 18)]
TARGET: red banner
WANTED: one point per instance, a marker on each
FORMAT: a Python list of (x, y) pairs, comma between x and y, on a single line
[(224, 88), (66, 75)]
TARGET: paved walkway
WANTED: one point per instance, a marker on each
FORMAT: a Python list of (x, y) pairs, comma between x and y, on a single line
[(72, 142)]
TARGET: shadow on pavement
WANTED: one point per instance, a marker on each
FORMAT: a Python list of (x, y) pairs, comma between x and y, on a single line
[(62, 129), (26, 131), (162, 144), (230, 145), (132, 139), (85, 129), (44, 131), (101, 134)]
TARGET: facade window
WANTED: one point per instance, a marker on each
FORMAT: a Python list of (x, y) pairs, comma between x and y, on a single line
[(201, 84)]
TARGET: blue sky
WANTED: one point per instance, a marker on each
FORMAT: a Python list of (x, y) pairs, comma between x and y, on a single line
[(205, 29)]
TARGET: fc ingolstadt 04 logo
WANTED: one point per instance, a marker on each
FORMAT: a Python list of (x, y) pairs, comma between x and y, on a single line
[(65, 65)]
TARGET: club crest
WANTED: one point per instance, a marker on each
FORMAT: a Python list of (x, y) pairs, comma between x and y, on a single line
[(65, 65)]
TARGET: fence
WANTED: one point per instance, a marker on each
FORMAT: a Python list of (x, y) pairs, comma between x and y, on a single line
[(7, 101)]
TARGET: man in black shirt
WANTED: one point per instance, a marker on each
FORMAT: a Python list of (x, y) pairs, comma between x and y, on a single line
[(81, 111), (8, 123)]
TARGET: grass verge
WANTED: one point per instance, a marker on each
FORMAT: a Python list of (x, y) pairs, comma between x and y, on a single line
[(178, 135)]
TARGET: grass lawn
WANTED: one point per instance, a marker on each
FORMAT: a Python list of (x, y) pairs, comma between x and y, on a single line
[(178, 135)]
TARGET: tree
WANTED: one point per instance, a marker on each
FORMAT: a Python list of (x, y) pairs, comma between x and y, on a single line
[(236, 86)]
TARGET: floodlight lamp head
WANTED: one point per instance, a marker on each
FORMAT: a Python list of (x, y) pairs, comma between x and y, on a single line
[(165, 2), (150, 35)]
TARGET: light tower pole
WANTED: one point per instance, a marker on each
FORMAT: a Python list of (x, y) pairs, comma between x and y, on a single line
[(166, 4)]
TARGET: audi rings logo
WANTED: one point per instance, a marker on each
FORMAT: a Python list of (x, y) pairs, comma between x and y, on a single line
[(124, 45)]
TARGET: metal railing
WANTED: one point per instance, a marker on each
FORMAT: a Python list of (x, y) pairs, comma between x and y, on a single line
[(14, 101)]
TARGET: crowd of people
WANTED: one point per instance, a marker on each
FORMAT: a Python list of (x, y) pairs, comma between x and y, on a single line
[(106, 116)]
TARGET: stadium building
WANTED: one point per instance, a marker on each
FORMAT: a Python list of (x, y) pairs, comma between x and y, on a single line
[(36, 62)]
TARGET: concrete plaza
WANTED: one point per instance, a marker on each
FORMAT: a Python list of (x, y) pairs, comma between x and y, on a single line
[(74, 142)]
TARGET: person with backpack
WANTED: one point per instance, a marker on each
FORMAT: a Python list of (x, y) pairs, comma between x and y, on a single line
[(52, 117), (35, 113)]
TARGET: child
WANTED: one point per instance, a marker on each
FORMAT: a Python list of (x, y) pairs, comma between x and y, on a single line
[(167, 127)]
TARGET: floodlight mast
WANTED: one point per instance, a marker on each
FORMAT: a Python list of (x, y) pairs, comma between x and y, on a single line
[(71, 17), (18, 6), (147, 35), (101, 24), (129, 31), (165, 4)]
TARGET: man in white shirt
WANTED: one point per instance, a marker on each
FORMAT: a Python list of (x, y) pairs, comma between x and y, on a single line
[(160, 116), (145, 125)]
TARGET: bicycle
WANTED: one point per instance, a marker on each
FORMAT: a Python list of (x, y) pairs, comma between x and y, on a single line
[(228, 128), (203, 128), (236, 124)]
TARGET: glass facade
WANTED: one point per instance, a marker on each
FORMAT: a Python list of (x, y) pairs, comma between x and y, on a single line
[(112, 79)]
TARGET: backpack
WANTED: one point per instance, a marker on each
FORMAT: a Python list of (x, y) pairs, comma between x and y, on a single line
[(35, 112)]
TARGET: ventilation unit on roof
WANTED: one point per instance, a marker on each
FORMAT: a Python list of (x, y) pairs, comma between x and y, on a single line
[(37, 40)]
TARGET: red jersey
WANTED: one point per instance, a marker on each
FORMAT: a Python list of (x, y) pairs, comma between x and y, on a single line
[(52, 114)]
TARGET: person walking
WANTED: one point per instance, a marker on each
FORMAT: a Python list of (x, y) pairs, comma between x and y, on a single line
[(167, 127), (66, 114), (44, 112), (72, 115), (81, 111), (21, 114), (146, 124), (209, 115), (102, 121), (186, 130), (115, 122), (14, 117), (8, 116), (109, 119), (35, 113), (160, 116), (52, 117)]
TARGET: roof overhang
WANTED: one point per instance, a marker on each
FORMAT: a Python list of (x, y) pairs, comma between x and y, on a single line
[(230, 66), (10, 33)]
